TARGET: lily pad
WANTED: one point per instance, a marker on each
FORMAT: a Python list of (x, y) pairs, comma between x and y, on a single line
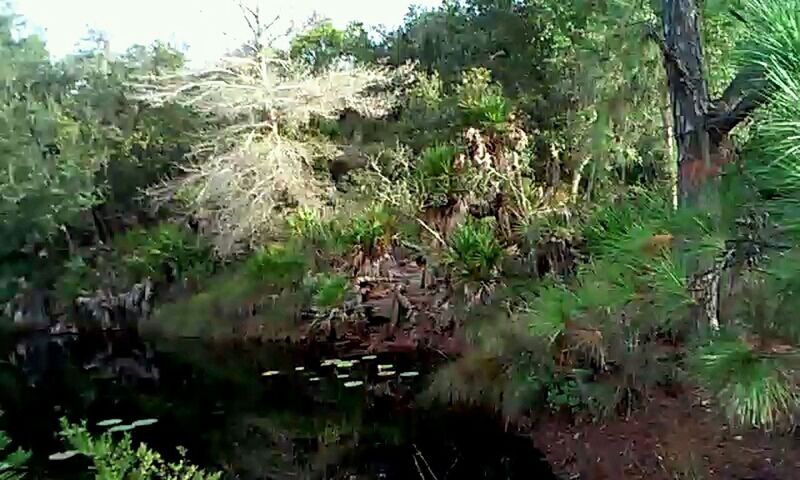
[(409, 374), (387, 366), (63, 455), (144, 422), (342, 376), (314, 379), (299, 369), (344, 364), (354, 383), (329, 362), (270, 373), (386, 373), (369, 357), (109, 423), (122, 428)]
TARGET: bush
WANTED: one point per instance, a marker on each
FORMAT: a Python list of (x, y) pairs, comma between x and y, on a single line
[(119, 460), (13, 462), (439, 179), (282, 265), (163, 252), (754, 389), (481, 101), (76, 279), (330, 291), (473, 252), (370, 231)]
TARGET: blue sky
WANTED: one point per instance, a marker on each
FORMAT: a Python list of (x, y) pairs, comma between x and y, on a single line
[(207, 28)]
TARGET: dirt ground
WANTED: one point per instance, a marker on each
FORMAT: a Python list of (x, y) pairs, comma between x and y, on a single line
[(674, 438)]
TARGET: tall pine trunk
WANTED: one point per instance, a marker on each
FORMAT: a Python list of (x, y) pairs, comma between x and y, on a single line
[(701, 126)]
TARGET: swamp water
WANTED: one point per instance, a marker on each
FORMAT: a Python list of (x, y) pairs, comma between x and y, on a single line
[(255, 411)]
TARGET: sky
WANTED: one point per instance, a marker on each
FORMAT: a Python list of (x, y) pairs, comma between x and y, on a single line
[(206, 28)]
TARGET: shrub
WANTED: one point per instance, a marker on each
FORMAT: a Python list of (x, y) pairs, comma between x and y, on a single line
[(370, 231), (167, 250), (440, 182), (754, 388), (76, 279), (473, 252), (307, 224), (481, 101), (119, 460), (330, 291), (279, 264), (12, 462)]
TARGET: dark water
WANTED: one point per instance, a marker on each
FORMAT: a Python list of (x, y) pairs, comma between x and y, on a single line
[(214, 401)]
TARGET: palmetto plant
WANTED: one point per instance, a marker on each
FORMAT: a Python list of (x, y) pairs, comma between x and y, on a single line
[(481, 101), (473, 254), (440, 181), (279, 264), (330, 291)]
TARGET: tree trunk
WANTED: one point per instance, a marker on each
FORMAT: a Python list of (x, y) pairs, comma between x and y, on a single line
[(669, 169), (689, 98), (701, 127)]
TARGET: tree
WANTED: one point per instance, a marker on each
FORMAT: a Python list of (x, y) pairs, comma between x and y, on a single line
[(47, 159), (702, 125), (323, 44)]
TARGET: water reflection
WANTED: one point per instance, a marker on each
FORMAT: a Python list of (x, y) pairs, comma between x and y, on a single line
[(256, 411)]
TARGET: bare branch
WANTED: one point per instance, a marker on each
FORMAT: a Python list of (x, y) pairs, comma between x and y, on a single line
[(744, 95)]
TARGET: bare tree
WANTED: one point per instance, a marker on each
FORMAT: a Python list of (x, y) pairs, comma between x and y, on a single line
[(262, 28)]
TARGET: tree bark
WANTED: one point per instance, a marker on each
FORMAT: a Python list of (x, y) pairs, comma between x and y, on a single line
[(689, 97), (701, 129), (669, 169)]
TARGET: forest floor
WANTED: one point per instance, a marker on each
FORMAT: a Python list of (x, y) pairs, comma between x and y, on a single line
[(674, 437)]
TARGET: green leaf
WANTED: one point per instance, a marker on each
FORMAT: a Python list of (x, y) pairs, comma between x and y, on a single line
[(63, 455), (110, 422), (144, 422)]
